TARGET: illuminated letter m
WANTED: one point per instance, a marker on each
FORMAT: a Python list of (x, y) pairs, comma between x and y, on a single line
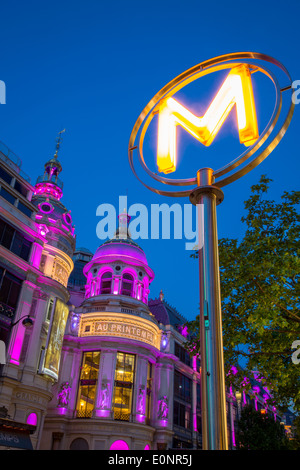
[(235, 90)]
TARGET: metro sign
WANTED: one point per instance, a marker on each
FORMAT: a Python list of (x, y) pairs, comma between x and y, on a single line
[(235, 91)]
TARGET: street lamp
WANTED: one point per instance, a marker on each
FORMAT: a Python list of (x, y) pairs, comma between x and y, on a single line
[(27, 321)]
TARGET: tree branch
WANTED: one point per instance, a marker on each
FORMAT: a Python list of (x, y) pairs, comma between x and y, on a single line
[(291, 315)]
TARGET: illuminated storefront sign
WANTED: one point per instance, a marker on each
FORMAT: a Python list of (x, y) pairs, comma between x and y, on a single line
[(55, 340), (120, 325)]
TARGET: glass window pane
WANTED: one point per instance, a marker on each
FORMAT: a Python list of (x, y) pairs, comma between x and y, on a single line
[(24, 209), (88, 384), (8, 196), (7, 236), (123, 390), (5, 176)]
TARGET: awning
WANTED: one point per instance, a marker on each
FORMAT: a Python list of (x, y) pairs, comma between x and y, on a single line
[(16, 439)]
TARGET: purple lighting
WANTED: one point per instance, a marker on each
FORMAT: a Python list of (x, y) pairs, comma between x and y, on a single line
[(184, 331), (140, 418), (48, 189), (103, 413), (163, 423), (32, 419), (119, 445)]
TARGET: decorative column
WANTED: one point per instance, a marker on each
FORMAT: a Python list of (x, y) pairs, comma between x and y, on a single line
[(163, 404), (116, 284), (106, 380), (17, 334), (139, 402), (36, 254), (38, 312), (194, 409)]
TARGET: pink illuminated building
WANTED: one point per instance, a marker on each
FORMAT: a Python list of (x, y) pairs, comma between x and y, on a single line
[(122, 359), (37, 242), (92, 362)]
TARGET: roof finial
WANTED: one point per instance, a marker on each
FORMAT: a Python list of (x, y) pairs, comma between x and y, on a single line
[(59, 141), (161, 296)]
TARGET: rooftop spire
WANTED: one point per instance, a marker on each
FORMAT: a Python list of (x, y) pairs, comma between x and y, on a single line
[(122, 230), (49, 184), (58, 142)]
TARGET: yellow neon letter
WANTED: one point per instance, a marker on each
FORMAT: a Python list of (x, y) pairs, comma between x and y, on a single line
[(235, 90)]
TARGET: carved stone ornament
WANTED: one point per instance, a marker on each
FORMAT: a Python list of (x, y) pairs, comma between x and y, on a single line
[(163, 408), (105, 396), (63, 395)]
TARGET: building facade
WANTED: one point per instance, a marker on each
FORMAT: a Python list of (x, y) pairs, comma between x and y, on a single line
[(91, 361), (36, 247)]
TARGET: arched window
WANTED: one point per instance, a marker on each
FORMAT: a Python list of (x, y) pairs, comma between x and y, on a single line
[(79, 444), (106, 280), (127, 284), (119, 445), (32, 419)]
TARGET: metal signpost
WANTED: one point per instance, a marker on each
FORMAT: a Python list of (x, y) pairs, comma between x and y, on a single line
[(205, 190)]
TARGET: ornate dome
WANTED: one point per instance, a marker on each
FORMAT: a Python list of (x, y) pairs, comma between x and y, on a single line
[(119, 267), (121, 248)]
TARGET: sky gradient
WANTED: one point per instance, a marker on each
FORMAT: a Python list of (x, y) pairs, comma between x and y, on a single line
[(91, 67)]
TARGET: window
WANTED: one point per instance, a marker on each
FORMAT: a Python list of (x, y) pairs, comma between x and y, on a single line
[(88, 384), (181, 444), (79, 444), (7, 195), (182, 386), (119, 445), (20, 188), (182, 354), (24, 209), (5, 176), (182, 415), (14, 241), (32, 419), (106, 281), (198, 396), (20, 246), (49, 309), (123, 389), (127, 284), (10, 287)]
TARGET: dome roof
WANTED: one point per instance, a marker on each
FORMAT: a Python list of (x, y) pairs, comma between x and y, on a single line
[(122, 250)]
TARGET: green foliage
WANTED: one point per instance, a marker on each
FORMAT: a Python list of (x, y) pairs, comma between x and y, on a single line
[(260, 432), (260, 295)]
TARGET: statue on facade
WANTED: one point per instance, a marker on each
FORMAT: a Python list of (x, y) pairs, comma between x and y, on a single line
[(104, 396), (141, 401), (163, 409), (63, 395)]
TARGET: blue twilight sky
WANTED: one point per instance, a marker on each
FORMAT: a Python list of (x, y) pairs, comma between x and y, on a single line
[(91, 67)]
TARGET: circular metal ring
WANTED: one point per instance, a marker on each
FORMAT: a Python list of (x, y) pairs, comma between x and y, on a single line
[(250, 158)]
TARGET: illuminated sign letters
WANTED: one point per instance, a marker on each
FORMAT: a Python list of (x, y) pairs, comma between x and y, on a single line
[(235, 91), (120, 325)]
